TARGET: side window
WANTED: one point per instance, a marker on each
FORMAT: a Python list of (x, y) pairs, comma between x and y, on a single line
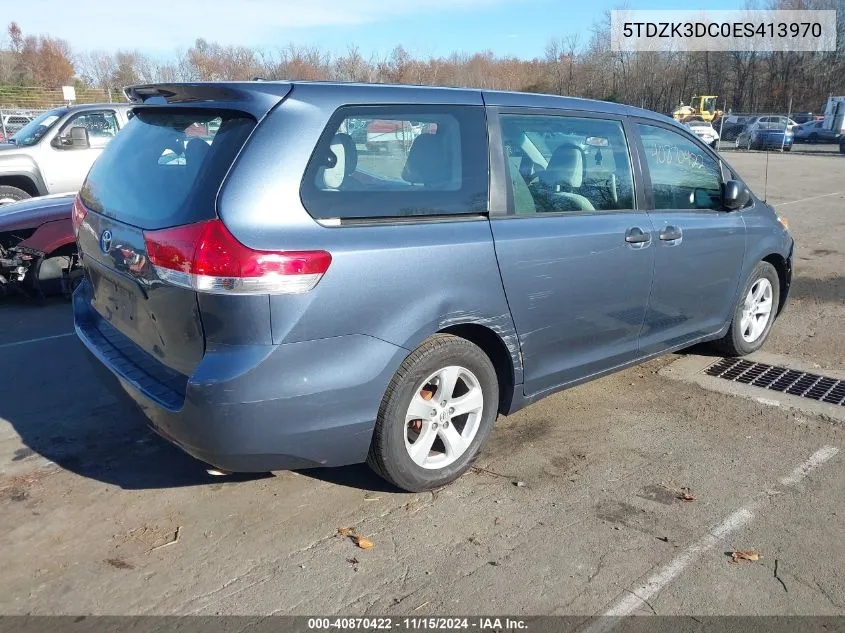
[(565, 163), (683, 174), (101, 126), (402, 160)]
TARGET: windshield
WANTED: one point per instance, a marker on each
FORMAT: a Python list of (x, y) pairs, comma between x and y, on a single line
[(710, 104), (33, 131)]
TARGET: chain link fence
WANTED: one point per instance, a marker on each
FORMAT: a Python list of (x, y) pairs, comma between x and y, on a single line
[(21, 104)]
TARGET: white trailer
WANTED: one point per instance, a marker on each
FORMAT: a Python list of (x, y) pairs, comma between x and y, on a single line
[(834, 114)]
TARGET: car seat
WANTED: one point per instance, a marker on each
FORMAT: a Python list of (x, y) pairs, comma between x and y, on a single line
[(562, 178), (429, 162)]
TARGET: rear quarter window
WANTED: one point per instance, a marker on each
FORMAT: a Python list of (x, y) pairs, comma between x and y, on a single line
[(399, 160)]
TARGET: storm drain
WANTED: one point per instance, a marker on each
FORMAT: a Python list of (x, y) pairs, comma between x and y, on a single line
[(796, 383)]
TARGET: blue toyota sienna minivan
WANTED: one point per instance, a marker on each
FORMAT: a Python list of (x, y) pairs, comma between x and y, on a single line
[(290, 275)]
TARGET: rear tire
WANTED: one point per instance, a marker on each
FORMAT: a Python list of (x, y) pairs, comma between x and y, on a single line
[(454, 442), (745, 335), (9, 194)]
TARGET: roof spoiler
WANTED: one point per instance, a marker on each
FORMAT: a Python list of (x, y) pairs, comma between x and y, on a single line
[(255, 98)]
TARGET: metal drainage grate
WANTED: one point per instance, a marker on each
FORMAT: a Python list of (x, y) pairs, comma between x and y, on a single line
[(796, 383)]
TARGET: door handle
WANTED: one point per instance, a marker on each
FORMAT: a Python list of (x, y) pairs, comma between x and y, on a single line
[(635, 235), (671, 233)]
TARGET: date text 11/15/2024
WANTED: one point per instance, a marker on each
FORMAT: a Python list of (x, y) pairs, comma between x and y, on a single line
[(431, 623)]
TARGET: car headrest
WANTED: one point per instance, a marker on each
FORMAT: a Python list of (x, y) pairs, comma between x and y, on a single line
[(195, 152), (566, 167), (350, 158), (331, 173), (428, 161)]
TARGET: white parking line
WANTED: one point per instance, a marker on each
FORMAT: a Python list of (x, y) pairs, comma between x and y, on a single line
[(826, 195), (645, 592), (634, 599), (36, 340), (815, 460)]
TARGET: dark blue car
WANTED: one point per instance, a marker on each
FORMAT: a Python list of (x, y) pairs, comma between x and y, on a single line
[(274, 295), (767, 133)]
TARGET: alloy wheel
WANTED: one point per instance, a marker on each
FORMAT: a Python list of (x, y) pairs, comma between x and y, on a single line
[(756, 310), (443, 417)]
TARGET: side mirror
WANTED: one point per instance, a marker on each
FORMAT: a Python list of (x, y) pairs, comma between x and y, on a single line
[(78, 138), (735, 195)]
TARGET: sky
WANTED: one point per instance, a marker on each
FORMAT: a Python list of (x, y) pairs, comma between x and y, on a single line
[(425, 28)]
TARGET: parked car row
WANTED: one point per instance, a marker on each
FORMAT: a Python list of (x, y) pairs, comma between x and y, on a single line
[(766, 132)]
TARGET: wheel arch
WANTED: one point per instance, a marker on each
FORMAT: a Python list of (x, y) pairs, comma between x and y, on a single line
[(29, 182), (497, 351), (51, 236), (784, 271)]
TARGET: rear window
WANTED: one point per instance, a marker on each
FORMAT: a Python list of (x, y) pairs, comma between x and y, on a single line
[(165, 167), (402, 160)]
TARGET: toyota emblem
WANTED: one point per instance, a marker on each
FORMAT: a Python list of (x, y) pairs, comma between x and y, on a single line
[(105, 241)]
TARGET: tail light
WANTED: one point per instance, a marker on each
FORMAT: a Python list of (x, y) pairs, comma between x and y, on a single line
[(207, 258), (77, 215)]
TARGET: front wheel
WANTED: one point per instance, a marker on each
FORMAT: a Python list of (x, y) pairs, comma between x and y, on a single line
[(436, 414), (754, 313)]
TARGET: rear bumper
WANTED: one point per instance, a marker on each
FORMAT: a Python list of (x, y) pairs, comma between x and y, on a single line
[(257, 408), (773, 141)]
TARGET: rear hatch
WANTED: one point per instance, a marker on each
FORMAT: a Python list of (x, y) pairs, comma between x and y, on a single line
[(163, 170)]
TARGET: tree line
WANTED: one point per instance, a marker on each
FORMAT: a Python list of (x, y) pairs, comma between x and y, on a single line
[(577, 65)]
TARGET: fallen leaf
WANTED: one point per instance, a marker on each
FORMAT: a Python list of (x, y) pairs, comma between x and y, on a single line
[(498, 521), (346, 531), (739, 555), (686, 496), (363, 543)]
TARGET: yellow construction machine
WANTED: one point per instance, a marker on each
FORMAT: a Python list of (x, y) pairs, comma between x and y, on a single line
[(703, 108)]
